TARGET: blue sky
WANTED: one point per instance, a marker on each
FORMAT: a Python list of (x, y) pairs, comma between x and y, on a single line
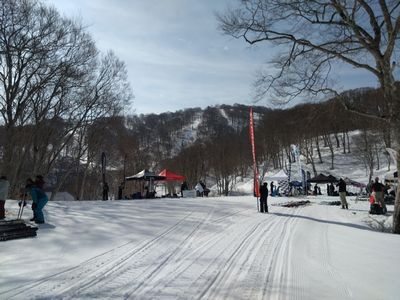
[(175, 55)]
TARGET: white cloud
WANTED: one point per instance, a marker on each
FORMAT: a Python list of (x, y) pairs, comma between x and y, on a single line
[(175, 56)]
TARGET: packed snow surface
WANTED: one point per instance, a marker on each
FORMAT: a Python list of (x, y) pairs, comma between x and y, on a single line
[(203, 248)]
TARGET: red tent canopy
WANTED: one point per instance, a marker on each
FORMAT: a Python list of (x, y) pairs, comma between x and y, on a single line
[(169, 176)]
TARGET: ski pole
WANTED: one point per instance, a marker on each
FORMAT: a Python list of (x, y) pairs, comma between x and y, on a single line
[(258, 207), (19, 210), (22, 204)]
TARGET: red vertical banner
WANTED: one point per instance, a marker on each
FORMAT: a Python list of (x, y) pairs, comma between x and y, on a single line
[(256, 186)]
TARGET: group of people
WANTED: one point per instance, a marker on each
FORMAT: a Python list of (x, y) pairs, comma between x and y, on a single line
[(201, 189), (33, 188), (330, 189), (374, 187), (317, 190)]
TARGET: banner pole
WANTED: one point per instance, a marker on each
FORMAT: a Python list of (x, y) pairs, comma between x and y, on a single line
[(256, 185)]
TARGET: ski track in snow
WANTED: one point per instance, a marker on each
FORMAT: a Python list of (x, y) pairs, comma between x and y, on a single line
[(219, 252), (344, 291), (255, 257)]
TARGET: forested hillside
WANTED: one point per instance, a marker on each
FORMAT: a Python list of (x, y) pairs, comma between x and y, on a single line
[(210, 144)]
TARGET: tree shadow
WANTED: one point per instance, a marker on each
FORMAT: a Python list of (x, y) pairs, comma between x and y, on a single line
[(362, 227)]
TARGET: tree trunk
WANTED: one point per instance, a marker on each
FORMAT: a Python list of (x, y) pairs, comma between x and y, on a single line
[(318, 149), (330, 145), (226, 187), (396, 213), (337, 140), (344, 142), (325, 141), (378, 165), (348, 142), (307, 154), (313, 165)]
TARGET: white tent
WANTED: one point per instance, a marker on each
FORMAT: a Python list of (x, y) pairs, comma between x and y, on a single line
[(389, 177), (280, 176), (61, 196)]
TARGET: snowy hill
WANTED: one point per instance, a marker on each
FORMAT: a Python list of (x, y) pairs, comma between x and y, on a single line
[(209, 248)]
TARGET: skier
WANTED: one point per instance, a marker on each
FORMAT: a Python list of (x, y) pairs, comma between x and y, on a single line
[(4, 186), (264, 197), (39, 198), (39, 182), (342, 193)]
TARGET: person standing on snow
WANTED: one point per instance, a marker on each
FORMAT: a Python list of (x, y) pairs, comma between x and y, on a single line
[(272, 188), (368, 189), (199, 190), (315, 190), (39, 199), (379, 189), (342, 193), (184, 187), (264, 197), (4, 186), (39, 182)]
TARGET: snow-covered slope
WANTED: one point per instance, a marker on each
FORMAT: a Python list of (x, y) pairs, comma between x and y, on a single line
[(203, 248)]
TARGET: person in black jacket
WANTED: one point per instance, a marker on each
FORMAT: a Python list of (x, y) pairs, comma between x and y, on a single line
[(184, 187), (264, 197), (342, 193)]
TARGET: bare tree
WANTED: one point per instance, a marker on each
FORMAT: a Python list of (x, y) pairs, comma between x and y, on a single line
[(52, 80), (364, 144), (42, 56), (316, 35)]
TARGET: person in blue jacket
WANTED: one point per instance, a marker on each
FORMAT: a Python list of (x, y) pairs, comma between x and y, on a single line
[(39, 199)]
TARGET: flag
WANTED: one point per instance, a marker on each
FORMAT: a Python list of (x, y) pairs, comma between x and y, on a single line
[(256, 187)]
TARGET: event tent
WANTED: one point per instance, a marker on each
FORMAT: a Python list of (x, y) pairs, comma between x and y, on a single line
[(333, 178), (144, 184), (145, 175), (281, 175), (354, 183), (321, 178), (170, 176)]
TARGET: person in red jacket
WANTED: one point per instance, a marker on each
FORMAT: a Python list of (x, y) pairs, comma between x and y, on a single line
[(379, 189)]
